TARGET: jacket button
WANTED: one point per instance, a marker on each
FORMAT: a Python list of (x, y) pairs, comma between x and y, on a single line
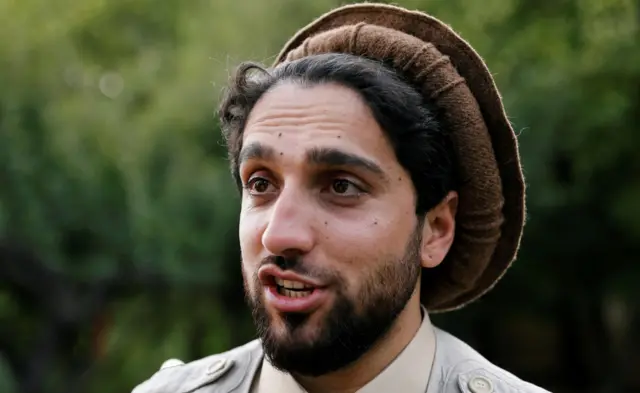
[(171, 363), (480, 385), (216, 366)]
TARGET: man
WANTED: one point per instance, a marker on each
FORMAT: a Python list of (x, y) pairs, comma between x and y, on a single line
[(380, 182)]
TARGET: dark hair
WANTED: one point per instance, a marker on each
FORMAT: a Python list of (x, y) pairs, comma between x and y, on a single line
[(411, 124)]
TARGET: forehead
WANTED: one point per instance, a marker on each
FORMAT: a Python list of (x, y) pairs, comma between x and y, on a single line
[(300, 117)]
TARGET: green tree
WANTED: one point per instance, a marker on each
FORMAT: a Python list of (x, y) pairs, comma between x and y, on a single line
[(118, 217)]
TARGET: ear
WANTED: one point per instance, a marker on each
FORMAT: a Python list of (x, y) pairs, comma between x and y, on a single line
[(438, 231)]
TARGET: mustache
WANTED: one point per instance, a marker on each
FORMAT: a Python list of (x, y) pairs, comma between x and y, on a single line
[(299, 265), (295, 263)]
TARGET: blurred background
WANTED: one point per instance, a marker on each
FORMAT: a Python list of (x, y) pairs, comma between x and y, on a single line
[(118, 238)]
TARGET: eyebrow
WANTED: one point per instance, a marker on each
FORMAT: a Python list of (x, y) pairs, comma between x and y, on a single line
[(319, 156), (255, 151), (327, 156)]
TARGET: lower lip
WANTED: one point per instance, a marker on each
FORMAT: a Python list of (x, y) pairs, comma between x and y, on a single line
[(285, 304)]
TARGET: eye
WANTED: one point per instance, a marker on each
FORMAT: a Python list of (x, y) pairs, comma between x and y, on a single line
[(259, 186), (345, 187)]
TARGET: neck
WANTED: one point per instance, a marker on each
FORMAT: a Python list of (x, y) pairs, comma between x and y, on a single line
[(355, 376)]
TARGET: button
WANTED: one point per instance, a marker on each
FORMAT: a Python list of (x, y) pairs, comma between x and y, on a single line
[(216, 366), (171, 363), (480, 385)]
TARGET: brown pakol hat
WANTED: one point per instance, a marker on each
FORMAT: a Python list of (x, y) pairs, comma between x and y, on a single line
[(450, 73)]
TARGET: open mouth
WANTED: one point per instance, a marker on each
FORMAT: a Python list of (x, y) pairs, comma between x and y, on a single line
[(288, 292), (293, 289)]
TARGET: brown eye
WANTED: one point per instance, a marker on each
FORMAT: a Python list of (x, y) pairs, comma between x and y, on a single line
[(261, 185), (258, 185), (341, 186), (346, 188)]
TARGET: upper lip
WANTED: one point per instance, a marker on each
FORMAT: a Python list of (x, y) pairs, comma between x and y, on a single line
[(268, 273)]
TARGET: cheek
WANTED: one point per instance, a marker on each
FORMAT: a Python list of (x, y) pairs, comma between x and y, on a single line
[(249, 227), (384, 229), (353, 245), (250, 238), (360, 244)]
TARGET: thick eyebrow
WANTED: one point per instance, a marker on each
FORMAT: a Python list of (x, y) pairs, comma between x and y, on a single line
[(256, 151), (319, 156), (332, 157)]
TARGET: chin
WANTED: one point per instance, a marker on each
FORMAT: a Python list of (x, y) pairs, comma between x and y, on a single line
[(296, 327)]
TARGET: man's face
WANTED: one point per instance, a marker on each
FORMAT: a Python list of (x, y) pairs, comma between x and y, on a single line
[(329, 238)]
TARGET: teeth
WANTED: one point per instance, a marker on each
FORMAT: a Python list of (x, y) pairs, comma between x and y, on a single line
[(291, 284), (294, 294)]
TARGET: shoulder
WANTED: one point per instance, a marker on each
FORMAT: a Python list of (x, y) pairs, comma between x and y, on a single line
[(461, 369), (226, 370)]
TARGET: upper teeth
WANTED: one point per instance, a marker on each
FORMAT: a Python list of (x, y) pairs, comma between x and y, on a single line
[(291, 284)]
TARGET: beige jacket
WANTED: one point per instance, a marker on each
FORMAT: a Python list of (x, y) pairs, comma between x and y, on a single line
[(457, 368)]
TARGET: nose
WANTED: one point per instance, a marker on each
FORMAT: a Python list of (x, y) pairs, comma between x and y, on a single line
[(289, 231)]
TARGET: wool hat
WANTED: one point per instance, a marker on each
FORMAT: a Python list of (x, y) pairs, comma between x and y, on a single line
[(449, 73)]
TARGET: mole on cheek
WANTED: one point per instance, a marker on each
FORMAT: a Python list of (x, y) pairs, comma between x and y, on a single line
[(279, 134), (281, 153)]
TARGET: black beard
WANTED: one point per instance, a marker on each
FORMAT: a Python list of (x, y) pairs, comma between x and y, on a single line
[(350, 329)]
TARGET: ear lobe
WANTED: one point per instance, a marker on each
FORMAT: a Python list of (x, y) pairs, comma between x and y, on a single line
[(438, 231)]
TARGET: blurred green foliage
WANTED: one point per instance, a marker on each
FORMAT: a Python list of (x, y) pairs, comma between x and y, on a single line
[(118, 243)]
